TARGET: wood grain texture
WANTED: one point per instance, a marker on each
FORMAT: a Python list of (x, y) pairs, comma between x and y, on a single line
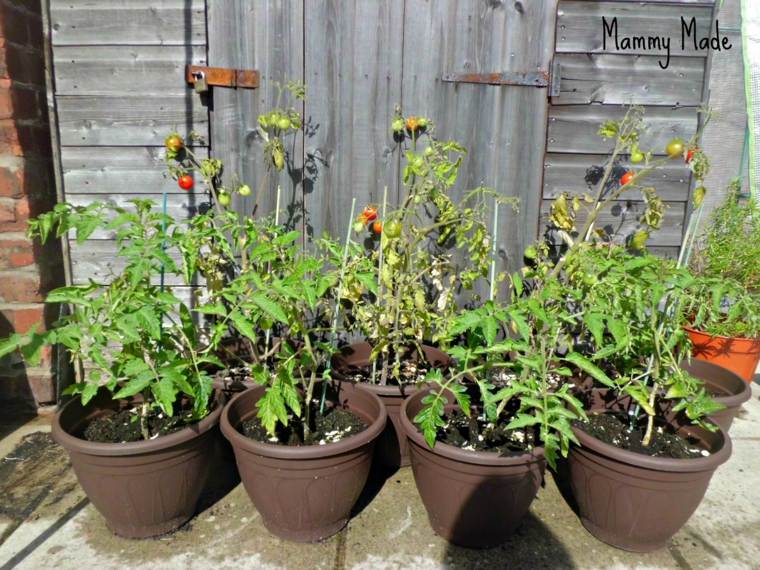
[(130, 22), (125, 70), (567, 172), (353, 70), (580, 30), (118, 170), (128, 120), (574, 129), (621, 220), (626, 79), (502, 126), (268, 36)]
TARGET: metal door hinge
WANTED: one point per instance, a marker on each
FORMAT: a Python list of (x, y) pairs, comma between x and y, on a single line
[(541, 78), (222, 76)]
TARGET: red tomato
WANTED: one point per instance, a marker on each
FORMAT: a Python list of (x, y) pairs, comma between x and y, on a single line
[(185, 181), (370, 213), (690, 154), (626, 178), (377, 227)]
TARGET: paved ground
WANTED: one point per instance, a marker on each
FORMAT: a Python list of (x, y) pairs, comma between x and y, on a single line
[(47, 522)]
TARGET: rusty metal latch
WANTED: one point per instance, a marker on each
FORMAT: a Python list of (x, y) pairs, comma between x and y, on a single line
[(541, 78), (221, 77)]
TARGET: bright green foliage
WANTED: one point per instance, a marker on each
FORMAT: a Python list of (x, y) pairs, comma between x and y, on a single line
[(134, 337), (725, 298)]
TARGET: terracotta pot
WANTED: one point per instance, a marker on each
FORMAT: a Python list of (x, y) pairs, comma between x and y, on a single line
[(473, 498), (636, 502), (305, 493), (392, 449), (143, 488), (740, 355), (725, 386)]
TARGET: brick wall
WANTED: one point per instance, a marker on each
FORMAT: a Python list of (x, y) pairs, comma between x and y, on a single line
[(27, 270)]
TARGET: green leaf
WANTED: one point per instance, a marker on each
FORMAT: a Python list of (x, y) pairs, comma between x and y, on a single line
[(243, 325), (133, 386), (490, 329), (595, 324), (523, 420), (270, 307), (165, 393), (215, 309), (271, 409), (590, 368), (89, 391)]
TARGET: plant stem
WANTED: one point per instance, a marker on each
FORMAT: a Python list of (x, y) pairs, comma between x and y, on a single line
[(144, 408)]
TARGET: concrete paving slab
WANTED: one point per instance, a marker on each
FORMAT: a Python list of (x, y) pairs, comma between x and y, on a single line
[(46, 522)]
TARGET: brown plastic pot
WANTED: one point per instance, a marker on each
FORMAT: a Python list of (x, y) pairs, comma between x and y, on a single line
[(740, 355), (474, 499), (143, 488), (725, 386), (637, 502), (305, 493), (392, 450)]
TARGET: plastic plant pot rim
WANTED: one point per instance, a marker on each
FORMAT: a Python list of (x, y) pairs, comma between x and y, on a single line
[(79, 445), (307, 451), (486, 458), (697, 464), (731, 401), (721, 337)]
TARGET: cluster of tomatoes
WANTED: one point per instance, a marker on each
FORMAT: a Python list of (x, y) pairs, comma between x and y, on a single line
[(676, 148), (368, 218), (413, 125), (174, 144)]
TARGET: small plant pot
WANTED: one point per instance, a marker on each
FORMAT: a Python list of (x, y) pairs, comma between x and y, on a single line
[(474, 499), (725, 386), (636, 502), (143, 488), (739, 355), (305, 493), (392, 450)]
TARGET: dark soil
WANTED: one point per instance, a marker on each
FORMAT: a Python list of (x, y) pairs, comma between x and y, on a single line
[(413, 371), (124, 426), (336, 424), (476, 434), (614, 429)]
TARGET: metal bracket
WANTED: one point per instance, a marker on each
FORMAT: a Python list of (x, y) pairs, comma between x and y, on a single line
[(531, 79), (222, 76), (541, 78)]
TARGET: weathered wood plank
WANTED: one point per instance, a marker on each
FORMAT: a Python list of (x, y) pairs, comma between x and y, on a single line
[(621, 220), (115, 170), (567, 173), (353, 63), (124, 70), (580, 30), (624, 79), (268, 36), (502, 126), (129, 120), (132, 22), (573, 129)]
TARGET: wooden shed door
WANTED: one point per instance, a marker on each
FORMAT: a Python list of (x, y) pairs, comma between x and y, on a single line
[(359, 61)]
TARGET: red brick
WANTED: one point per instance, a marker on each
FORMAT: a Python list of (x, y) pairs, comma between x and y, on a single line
[(15, 253), (20, 287), (14, 215), (22, 319), (10, 182), (20, 139)]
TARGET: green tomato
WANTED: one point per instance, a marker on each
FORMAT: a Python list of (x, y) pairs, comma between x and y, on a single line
[(224, 199), (283, 123), (637, 157), (397, 126), (392, 229), (675, 148), (244, 190)]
